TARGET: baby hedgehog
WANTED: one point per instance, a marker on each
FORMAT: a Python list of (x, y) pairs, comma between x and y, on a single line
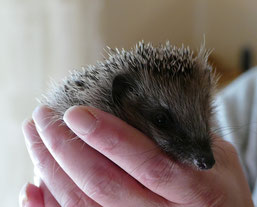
[(165, 92)]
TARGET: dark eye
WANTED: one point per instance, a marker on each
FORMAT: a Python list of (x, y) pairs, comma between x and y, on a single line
[(131, 89), (161, 120)]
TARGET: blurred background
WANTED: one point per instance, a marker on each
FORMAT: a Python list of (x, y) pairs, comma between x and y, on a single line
[(40, 40)]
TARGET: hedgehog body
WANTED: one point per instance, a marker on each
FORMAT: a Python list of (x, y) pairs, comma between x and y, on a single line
[(164, 91)]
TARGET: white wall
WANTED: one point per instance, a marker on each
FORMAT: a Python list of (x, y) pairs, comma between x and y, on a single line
[(38, 40)]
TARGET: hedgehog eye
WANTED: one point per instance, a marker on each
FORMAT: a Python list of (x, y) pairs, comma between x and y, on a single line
[(161, 120), (131, 89)]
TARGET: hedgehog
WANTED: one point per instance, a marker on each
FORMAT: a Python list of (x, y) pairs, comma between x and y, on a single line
[(165, 92)]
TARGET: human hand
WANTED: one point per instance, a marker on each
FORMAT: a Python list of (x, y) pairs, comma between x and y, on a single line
[(113, 164)]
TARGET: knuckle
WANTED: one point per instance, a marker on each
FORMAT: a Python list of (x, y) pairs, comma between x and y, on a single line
[(57, 139), (39, 155), (228, 148), (102, 182), (232, 152), (73, 198), (108, 144), (105, 138), (156, 171), (231, 148), (55, 142)]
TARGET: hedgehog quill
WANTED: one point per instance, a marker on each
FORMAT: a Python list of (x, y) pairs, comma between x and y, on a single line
[(165, 92)]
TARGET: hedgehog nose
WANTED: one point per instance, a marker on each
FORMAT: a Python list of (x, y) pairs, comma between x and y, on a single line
[(205, 162)]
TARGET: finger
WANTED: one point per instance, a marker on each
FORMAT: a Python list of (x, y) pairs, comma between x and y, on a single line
[(49, 199), (97, 176), (137, 155), (60, 185), (31, 196)]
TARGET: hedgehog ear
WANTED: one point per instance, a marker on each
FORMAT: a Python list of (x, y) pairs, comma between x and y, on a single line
[(120, 86)]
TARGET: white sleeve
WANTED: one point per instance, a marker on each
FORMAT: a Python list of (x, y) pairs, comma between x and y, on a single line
[(237, 122)]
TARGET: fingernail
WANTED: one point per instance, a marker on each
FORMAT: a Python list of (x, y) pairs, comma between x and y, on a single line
[(80, 120), (41, 116), (23, 197)]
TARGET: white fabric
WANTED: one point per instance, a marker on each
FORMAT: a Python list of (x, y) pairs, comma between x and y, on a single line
[(237, 122)]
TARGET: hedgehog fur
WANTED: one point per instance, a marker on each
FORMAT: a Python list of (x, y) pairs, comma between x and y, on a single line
[(164, 91)]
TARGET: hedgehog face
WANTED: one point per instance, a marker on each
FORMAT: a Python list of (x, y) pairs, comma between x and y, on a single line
[(174, 111), (162, 91)]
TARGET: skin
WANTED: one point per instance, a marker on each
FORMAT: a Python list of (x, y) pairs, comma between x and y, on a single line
[(106, 162)]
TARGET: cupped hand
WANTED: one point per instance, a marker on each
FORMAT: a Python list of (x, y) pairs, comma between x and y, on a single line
[(95, 159)]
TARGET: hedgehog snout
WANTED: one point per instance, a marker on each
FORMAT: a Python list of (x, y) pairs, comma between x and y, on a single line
[(204, 161)]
